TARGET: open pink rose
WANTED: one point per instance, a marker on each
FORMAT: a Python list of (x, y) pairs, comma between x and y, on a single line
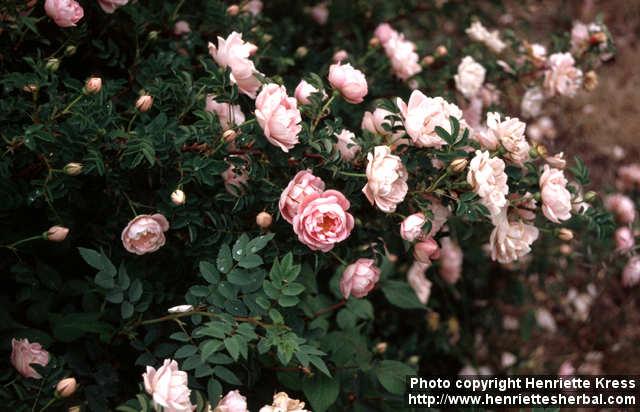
[(384, 32), (350, 82), (346, 145), (303, 91), (279, 117), (233, 52), (624, 238), (402, 54), (359, 278), (417, 278), (109, 6), (375, 122), (323, 220), (628, 177), (233, 401), (562, 77), (23, 354), (411, 226), (303, 184), (556, 199), (631, 272), (622, 207), (65, 13), (145, 234), (510, 133), (426, 250), (511, 240), (386, 179), (487, 178), (168, 387), (450, 260), (228, 115)]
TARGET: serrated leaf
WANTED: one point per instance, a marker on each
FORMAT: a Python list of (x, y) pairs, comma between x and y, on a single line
[(209, 272), (321, 391), (392, 375), (401, 295), (224, 262), (208, 348), (233, 346), (185, 351), (226, 375)]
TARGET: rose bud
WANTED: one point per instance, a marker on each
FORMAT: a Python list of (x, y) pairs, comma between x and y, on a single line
[(30, 88), (153, 35), (264, 220), (458, 165), (624, 238), (301, 51), (52, 65), (426, 250), (590, 196), (350, 82), (70, 50), (428, 60), (381, 347), (144, 103), (229, 135), (359, 278), (565, 234), (73, 168), (181, 27), (590, 81), (66, 387), (56, 233), (93, 85), (178, 197), (411, 226), (374, 42), (233, 10), (441, 51)]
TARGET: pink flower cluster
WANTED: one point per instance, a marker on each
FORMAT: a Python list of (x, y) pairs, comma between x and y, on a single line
[(400, 51), (487, 178), (233, 52), (229, 115)]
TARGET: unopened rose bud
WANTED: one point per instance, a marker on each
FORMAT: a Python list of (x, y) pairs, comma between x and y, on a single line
[(74, 409), (30, 88), (590, 196), (73, 168), (453, 325), (229, 135), (144, 103), (428, 60), (153, 35), (458, 165), (66, 387), (381, 347), (413, 360), (599, 37), (56, 233), (178, 197), (433, 320), (566, 249), (590, 81), (565, 234), (340, 55), (93, 85), (233, 10), (374, 42), (301, 51), (264, 220), (441, 51), (53, 65), (538, 150), (70, 50)]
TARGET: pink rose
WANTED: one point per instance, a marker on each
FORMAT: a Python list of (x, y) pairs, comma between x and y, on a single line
[(562, 77), (235, 180), (279, 117), (181, 27), (145, 234), (450, 260), (303, 91), (233, 401), (283, 403), (65, 13), (302, 185), (403, 57), (417, 279), (320, 13), (411, 226), (359, 278), (556, 199), (566, 369), (234, 52), (23, 354), (631, 272), (168, 387), (579, 38), (228, 115), (510, 133), (339, 56), (384, 32), (470, 77), (472, 113), (350, 82), (624, 238), (628, 177), (487, 178), (440, 215), (347, 145), (426, 250), (622, 207), (322, 220), (109, 6), (511, 240), (386, 179), (57, 233), (374, 123), (254, 7)]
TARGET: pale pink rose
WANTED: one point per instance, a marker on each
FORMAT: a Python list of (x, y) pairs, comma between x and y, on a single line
[(323, 220), (254, 7), (279, 117), (403, 57), (374, 122), (109, 6), (556, 199), (557, 160), (487, 178), (473, 113), (579, 38), (303, 91), (320, 13), (450, 260), (228, 115), (339, 56), (422, 114), (426, 250), (233, 52), (491, 39), (531, 105), (23, 354), (168, 387), (628, 177), (144, 103), (233, 401), (181, 27), (57, 233), (417, 279), (282, 403), (302, 185), (411, 226), (235, 180), (386, 179), (347, 145), (566, 369), (510, 133), (145, 234), (384, 32), (93, 85), (524, 205), (440, 215), (359, 278), (562, 77), (511, 240), (622, 207), (538, 54), (470, 77), (624, 238), (65, 13), (350, 82), (631, 272), (486, 138)]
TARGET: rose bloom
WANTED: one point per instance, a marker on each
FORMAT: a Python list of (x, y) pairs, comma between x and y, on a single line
[(403, 57), (350, 82), (228, 115), (323, 220), (531, 104), (235, 180), (279, 117), (470, 77), (181, 27), (282, 403), (477, 32), (234, 52), (145, 234), (339, 56), (65, 13), (579, 38), (320, 13), (487, 177), (622, 207), (253, 6), (302, 185), (168, 387), (57, 233), (359, 278), (384, 32), (303, 91), (426, 250), (557, 160), (422, 114), (511, 240), (450, 260), (486, 138), (144, 103), (417, 279), (109, 6), (23, 354), (374, 122), (386, 179), (440, 215), (233, 401), (562, 77), (346, 145), (473, 112), (624, 238), (631, 272), (510, 133), (628, 177), (411, 226)]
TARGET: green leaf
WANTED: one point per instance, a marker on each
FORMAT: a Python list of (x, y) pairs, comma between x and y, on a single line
[(288, 301), (242, 277), (185, 351), (209, 347), (135, 290), (233, 346), (104, 280), (114, 296), (321, 391), (392, 375), (224, 261), (67, 328), (214, 391), (319, 363), (226, 375), (400, 294), (250, 261), (293, 289), (240, 247), (258, 243), (98, 261), (126, 309), (209, 272), (443, 134)]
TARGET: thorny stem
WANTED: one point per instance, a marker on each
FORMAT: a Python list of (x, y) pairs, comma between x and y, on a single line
[(435, 184), (338, 258), (69, 106), (321, 114), (175, 316), (13, 245), (330, 308)]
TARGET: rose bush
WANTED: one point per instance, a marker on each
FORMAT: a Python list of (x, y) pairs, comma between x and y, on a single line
[(269, 207)]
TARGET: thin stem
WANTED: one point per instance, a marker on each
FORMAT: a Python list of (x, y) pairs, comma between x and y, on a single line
[(133, 209), (435, 184), (338, 258), (69, 106), (13, 245), (51, 402), (330, 308), (354, 174), (324, 108), (131, 121)]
